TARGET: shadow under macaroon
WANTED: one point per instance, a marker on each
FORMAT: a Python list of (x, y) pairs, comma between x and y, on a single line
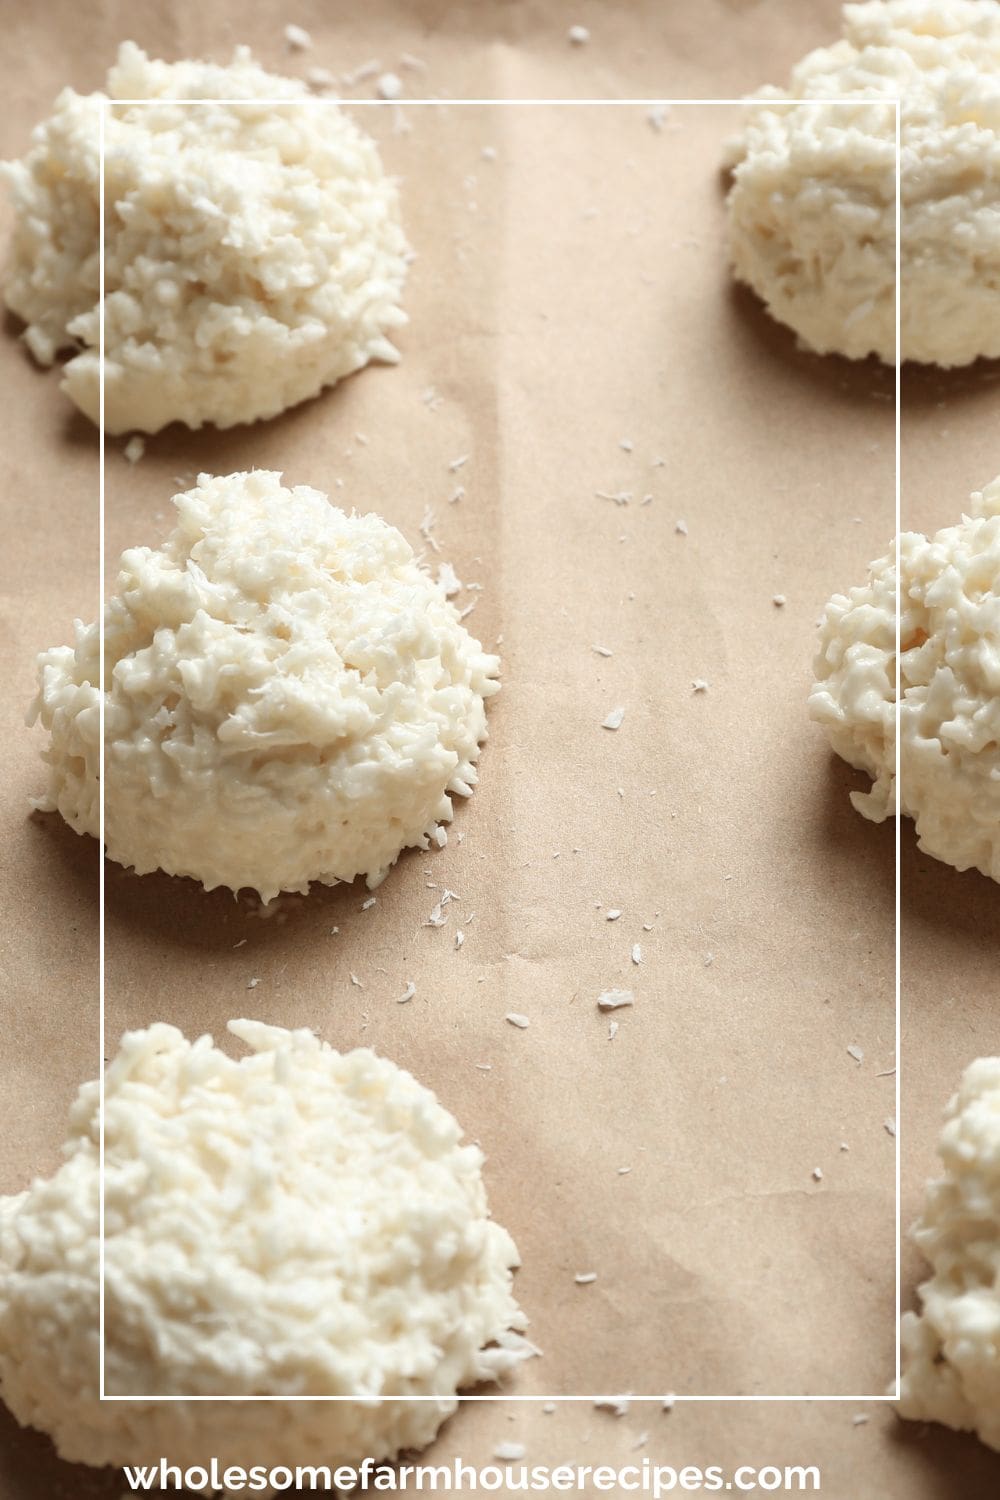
[(923, 387), (949, 907), (858, 846), (30, 1468), (847, 381), (957, 1465)]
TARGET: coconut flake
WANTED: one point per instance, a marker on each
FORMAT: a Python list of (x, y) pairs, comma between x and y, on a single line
[(616, 1405), (615, 999), (298, 38), (320, 79), (448, 580), (614, 719), (516, 1019), (366, 70), (509, 1452), (408, 993)]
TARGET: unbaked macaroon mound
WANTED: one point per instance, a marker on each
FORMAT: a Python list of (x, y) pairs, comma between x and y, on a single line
[(950, 1368), (948, 719), (298, 1222), (813, 203), (289, 696), (253, 250)]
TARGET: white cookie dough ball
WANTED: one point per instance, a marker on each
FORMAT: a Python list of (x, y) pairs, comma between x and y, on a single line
[(253, 253), (299, 1222), (813, 204), (950, 1369), (289, 696), (949, 715)]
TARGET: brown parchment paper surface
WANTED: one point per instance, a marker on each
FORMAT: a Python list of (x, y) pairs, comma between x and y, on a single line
[(567, 295)]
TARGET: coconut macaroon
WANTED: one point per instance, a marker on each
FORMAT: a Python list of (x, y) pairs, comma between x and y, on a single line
[(299, 1222), (812, 210), (289, 697), (253, 253), (950, 1371), (948, 718)]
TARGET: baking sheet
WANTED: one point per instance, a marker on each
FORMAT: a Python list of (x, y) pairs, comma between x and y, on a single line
[(551, 333), (729, 1082)]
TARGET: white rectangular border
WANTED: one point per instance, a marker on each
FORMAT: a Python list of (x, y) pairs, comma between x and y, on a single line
[(350, 104)]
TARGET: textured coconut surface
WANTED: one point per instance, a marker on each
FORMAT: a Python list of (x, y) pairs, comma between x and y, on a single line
[(571, 323)]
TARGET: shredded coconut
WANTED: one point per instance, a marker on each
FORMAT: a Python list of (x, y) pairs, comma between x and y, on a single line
[(253, 252), (509, 1452), (615, 999), (949, 719), (950, 1371), (299, 1221), (289, 697), (812, 211)]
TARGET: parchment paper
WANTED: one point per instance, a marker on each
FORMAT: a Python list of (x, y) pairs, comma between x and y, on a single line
[(568, 295)]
